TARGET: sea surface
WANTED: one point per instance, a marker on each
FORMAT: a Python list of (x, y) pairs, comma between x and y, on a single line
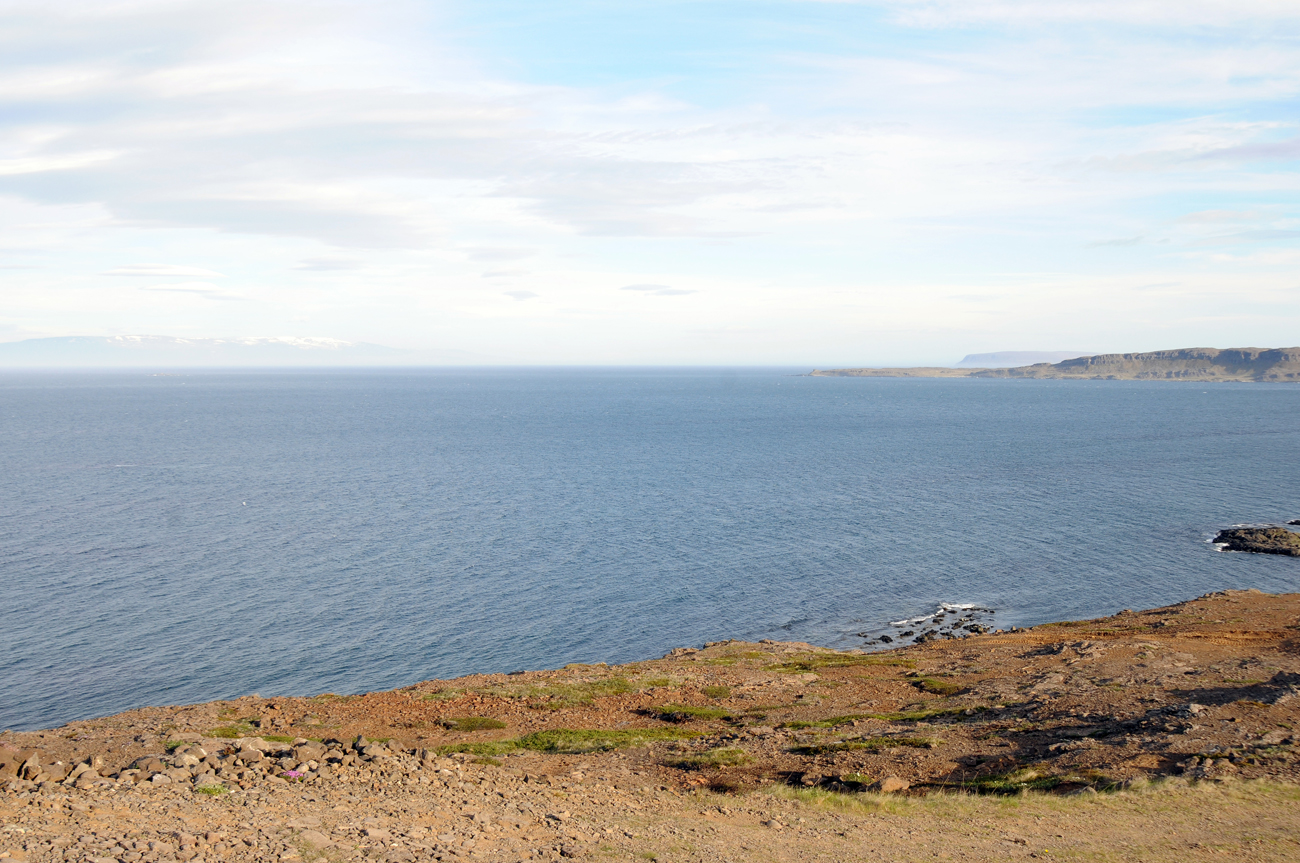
[(174, 539)]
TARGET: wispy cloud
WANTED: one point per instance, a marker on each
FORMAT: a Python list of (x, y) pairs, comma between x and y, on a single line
[(657, 290), (200, 289), (327, 265), (163, 270)]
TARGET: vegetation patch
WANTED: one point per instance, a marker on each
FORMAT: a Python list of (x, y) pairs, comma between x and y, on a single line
[(717, 692), (686, 713), (936, 685), (870, 744), (472, 723), (211, 790), (925, 714), (650, 682), (1032, 778), (230, 732), (571, 741), (816, 661), (713, 758), (829, 722), (561, 694), (443, 695)]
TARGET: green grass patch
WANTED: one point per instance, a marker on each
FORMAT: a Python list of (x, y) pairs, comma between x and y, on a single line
[(1024, 779), (484, 759), (649, 682), (717, 692), (571, 741), (869, 744), (936, 686), (722, 757), (818, 661), (173, 745), (442, 695), (212, 790), (230, 732), (279, 738), (925, 714), (828, 722), (472, 723), (560, 694), (687, 713)]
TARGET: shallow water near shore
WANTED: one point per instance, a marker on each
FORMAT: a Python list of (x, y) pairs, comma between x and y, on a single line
[(210, 534)]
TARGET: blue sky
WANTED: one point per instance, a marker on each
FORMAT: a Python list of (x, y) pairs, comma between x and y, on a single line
[(824, 183)]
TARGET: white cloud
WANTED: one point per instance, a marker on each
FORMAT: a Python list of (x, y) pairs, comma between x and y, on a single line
[(658, 290), (160, 270), (1164, 13)]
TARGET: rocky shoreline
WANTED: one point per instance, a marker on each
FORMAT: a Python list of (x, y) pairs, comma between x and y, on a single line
[(1260, 540), (731, 751)]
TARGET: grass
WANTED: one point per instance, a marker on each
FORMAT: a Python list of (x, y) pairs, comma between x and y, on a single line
[(686, 713), (212, 790), (442, 695), (1025, 779), (570, 741), (230, 732), (723, 757), (717, 692), (836, 660), (936, 685), (473, 723), (173, 745), (870, 744), (560, 694), (927, 713), (829, 722), (918, 715)]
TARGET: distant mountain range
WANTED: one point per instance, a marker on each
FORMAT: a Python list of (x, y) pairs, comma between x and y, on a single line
[(150, 351), (1185, 364), (1012, 359)]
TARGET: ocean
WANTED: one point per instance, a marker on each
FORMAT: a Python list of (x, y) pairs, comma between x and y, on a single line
[(167, 539)]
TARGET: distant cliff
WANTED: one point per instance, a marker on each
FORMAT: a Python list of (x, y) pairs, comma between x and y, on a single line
[(1186, 364)]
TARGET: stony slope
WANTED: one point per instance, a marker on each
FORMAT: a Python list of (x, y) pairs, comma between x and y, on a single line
[(737, 751), (1186, 364)]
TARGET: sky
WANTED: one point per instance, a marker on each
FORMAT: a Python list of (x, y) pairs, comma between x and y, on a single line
[(775, 182)]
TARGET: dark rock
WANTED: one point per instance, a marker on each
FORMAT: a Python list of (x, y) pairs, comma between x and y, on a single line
[(1260, 540)]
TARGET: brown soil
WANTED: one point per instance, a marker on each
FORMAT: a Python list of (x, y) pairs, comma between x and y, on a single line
[(736, 751)]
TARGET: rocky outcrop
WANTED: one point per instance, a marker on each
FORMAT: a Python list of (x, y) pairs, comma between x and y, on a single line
[(1186, 364), (1260, 540)]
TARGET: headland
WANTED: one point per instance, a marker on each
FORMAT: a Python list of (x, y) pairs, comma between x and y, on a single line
[(1204, 365), (1116, 728)]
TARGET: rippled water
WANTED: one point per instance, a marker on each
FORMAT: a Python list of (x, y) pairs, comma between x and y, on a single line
[(177, 539)]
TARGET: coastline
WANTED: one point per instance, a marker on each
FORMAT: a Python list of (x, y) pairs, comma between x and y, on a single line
[(1204, 690)]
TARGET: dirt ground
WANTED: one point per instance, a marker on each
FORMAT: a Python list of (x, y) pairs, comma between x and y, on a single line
[(1162, 734)]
